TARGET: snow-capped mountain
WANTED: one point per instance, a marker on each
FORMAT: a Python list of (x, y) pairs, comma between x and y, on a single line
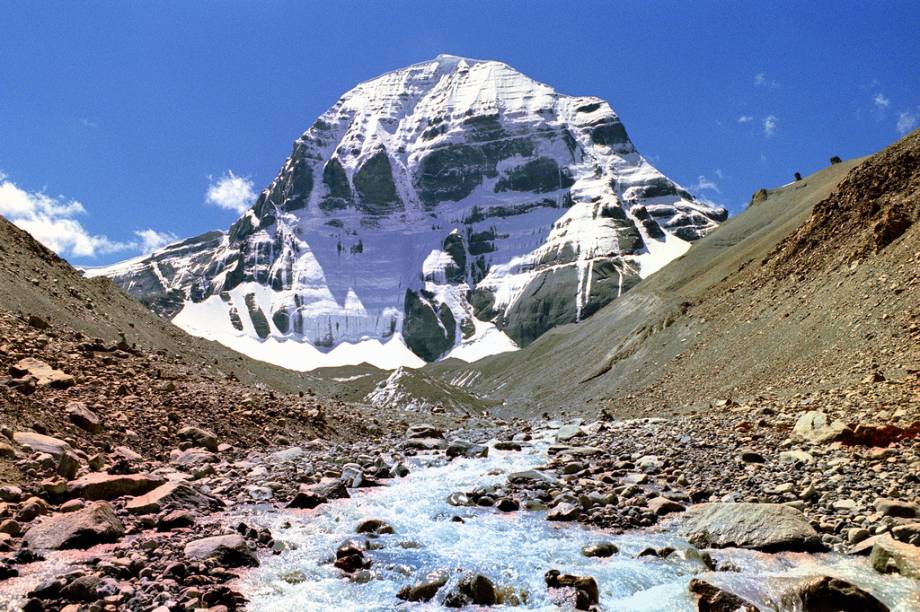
[(454, 207)]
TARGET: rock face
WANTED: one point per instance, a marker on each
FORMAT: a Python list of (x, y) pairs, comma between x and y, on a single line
[(444, 204), (92, 525), (767, 527)]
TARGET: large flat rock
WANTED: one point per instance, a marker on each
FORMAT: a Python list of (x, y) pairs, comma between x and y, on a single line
[(94, 524), (173, 496), (767, 527), (109, 486)]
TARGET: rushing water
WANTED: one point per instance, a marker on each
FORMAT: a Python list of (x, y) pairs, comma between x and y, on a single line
[(513, 549)]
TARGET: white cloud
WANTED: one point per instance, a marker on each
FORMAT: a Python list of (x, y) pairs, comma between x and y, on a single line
[(52, 221), (881, 101), (88, 123), (745, 119), (705, 184), (231, 192), (152, 240), (761, 80), (719, 173), (769, 125), (907, 121)]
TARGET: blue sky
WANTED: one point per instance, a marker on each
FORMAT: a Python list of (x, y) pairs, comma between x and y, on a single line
[(117, 117)]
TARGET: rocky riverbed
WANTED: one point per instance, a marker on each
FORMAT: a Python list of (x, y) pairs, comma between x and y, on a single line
[(486, 514)]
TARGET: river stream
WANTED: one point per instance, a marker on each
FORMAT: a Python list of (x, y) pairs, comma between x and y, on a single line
[(513, 549)]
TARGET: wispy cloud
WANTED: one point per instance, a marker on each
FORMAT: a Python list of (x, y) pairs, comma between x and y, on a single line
[(762, 80), (151, 240), (88, 123), (231, 192), (705, 184), (881, 101), (769, 125), (745, 119), (907, 121), (53, 221)]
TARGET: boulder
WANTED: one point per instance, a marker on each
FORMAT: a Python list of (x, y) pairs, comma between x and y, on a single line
[(229, 550), (424, 590), (94, 524), (199, 437), (826, 593), (83, 417), (68, 463), (710, 598), (462, 448), (374, 526), (897, 508), (424, 431), (888, 555), (44, 374), (583, 589), (563, 512), (192, 457), (472, 589), (311, 496), (813, 426), (427, 444), (172, 496), (766, 527), (349, 557), (531, 477), (663, 505), (567, 432), (109, 486), (600, 549)]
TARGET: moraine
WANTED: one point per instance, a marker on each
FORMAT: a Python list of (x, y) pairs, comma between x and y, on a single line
[(513, 549)]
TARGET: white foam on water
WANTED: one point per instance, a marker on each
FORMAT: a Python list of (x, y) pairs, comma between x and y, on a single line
[(513, 549)]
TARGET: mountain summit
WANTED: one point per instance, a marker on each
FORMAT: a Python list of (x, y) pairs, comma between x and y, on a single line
[(455, 207)]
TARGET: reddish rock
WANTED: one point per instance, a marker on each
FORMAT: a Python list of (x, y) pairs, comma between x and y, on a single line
[(92, 525), (109, 486)]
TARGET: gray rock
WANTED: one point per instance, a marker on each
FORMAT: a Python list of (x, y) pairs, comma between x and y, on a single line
[(424, 590), (813, 426), (92, 525), (424, 431), (229, 550), (199, 437), (172, 495), (563, 512), (767, 527), (888, 555), (462, 448), (531, 477), (600, 549), (311, 496)]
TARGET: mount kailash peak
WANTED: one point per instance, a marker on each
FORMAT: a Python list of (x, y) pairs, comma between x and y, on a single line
[(452, 208)]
